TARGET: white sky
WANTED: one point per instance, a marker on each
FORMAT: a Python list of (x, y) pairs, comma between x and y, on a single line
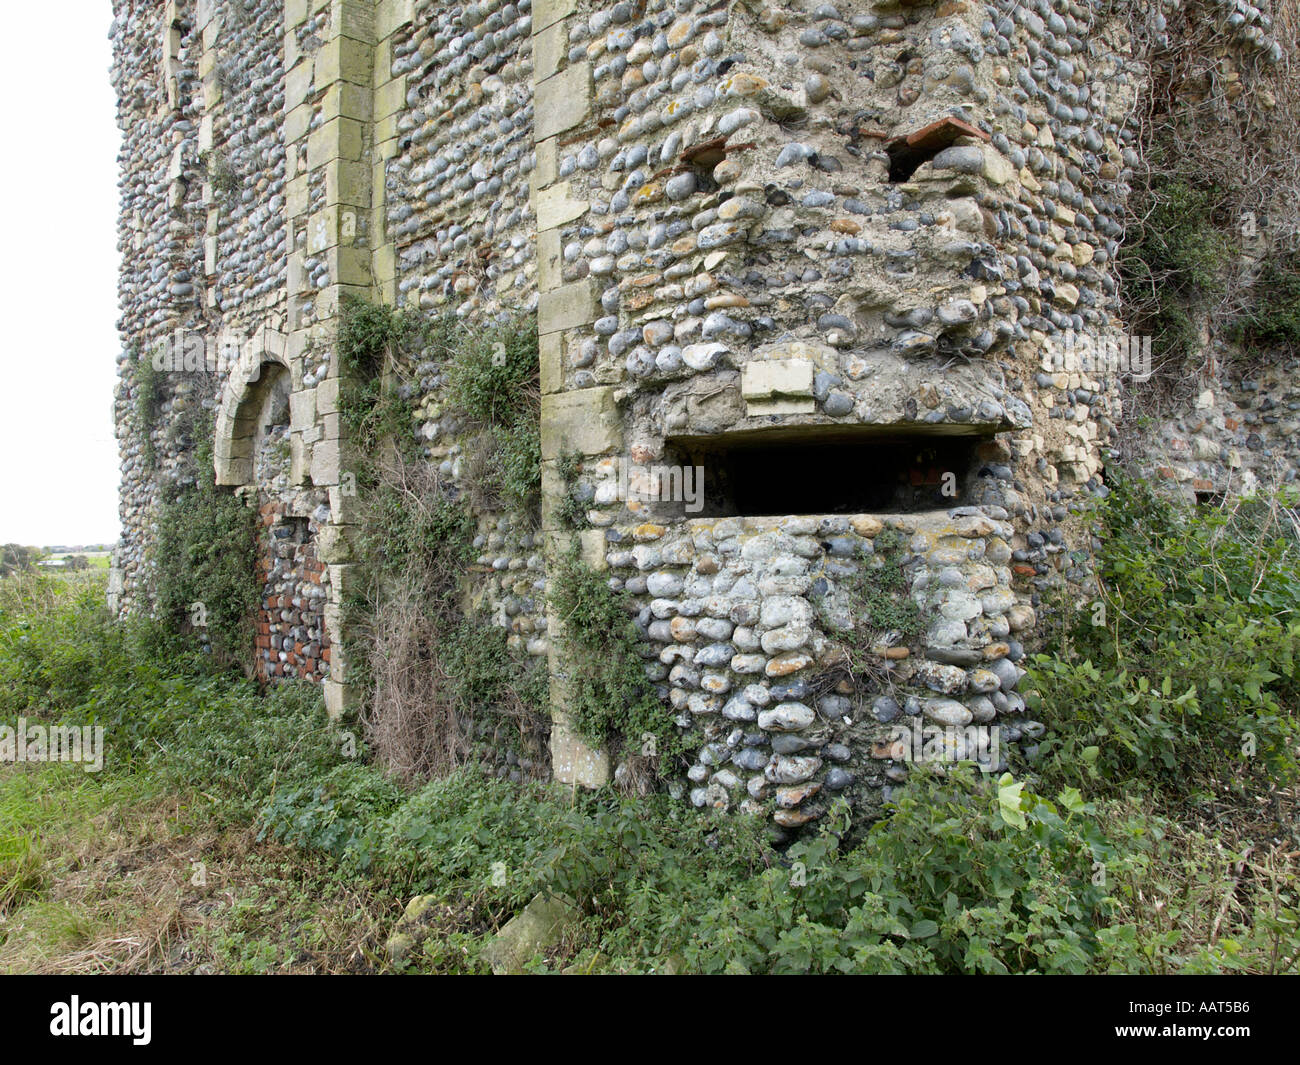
[(58, 276)]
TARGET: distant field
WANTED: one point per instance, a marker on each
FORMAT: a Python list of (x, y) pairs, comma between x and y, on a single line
[(97, 559)]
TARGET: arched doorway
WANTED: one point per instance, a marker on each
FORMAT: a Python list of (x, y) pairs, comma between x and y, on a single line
[(256, 452)]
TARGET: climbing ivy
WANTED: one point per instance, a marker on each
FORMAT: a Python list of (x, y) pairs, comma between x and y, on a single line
[(148, 402), (205, 558), (371, 404), (493, 380), (1273, 318), (610, 701), (877, 598), (1173, 264)]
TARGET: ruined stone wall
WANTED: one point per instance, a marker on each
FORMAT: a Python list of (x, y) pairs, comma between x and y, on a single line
[(1239, 433), (155, 74), (458, 214), (279, 157), (203, 289), (830, 225), (851, 233), (1230, 426)]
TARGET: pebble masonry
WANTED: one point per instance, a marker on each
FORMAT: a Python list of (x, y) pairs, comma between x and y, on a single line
[(739, 227)]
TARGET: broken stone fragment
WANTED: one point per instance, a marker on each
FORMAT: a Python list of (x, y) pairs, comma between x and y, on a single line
[(941, 677), (406, 933), (540, 925), (789, 797)]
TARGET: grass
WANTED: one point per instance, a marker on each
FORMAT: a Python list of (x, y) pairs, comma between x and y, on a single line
[(63, 910), (40, 591), (227, 834), (99, 872), (120, 873)]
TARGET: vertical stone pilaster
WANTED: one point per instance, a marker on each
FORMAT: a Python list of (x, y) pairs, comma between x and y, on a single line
[(329, 105), (584, 421), (208, 25)]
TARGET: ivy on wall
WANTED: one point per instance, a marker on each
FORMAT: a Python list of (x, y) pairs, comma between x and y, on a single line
[(1273, 317), (205, 559), (440, 684), (609, 699), (1215, 179), (148, 403), (493, 380), (877, 597)]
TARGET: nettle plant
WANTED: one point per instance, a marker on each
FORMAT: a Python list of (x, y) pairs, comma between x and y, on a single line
[(1185, 672)]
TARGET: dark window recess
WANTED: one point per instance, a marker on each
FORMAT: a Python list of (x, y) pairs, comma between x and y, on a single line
[(855, 476), (291, 530), (907, 153)]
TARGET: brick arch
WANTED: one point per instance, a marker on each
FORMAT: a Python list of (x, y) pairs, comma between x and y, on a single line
[(241, 401)]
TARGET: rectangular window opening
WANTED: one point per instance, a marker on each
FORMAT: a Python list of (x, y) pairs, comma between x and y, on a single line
[(776, 476)]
